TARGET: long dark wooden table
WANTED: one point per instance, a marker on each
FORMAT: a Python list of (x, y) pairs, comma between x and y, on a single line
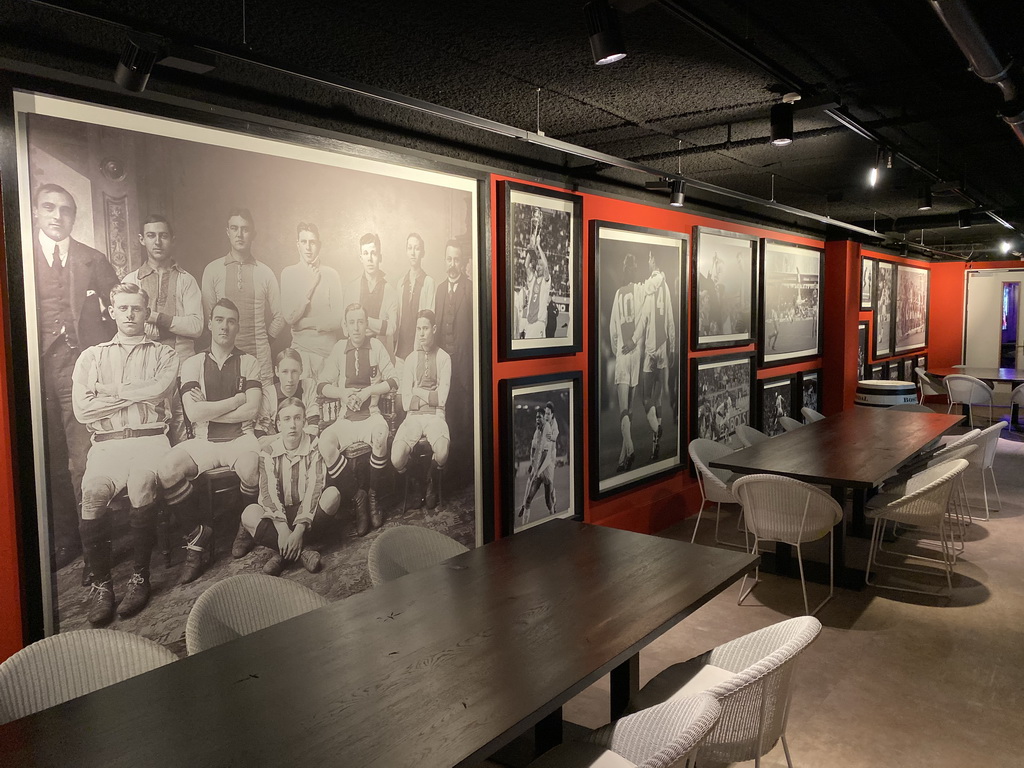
[(438, 668), (855, 450), (1015, 375)]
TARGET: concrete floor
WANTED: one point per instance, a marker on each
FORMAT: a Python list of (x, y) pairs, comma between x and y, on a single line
[(894, 679)]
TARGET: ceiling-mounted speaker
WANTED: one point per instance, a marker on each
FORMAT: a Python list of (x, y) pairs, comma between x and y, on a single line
[(606, 40)]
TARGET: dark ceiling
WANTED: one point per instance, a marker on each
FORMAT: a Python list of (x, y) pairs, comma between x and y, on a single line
[(693, 95)]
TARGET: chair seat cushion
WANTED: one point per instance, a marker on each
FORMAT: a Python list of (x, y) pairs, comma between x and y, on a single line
[(678, 681), (578, 754)]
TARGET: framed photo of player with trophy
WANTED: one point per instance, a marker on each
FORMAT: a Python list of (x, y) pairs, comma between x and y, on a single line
[(542, 449), (543, 272), (637, 345)]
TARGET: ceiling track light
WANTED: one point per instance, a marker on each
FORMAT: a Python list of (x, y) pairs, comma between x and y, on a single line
[(963, 219), (606, 41), (924, 202), (138, 56), (781, 120), (677, 193)]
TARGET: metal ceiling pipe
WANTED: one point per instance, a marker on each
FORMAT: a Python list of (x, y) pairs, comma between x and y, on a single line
[(958, 19)]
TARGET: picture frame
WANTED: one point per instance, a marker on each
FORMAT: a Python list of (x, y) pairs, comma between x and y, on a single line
[(885, 307), (863, 331), (540, 414), (790, 320), (723, 289), (220, 157), (650, 260), (543, 276), (879, 371), (867, 282), (776, 397), (922, 361), (809, 390), (911, 319), (893, 370), (722, 391)]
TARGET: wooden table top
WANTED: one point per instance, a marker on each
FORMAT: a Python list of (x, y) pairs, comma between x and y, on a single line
[(857, 448), (439, 668), (985, 374)]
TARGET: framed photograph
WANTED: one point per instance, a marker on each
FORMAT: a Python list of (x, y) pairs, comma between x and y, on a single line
[(776, 398), (867, 281), (911, 308), (878, 371), (885, 308), (722, 388), (283, 230), (791, 322), (722, 309), (543, 272), (810, 390), (893, 372), (922, 362), (636, 349), (862, 351), (542, 461)]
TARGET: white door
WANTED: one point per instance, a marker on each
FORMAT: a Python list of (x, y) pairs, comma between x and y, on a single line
[(983, 322)]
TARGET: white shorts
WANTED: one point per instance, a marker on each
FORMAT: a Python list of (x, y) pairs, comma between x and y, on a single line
[(121, 460), (209, 455), (416, 425), (373, 430), (627, 367), (657, 360), (537, 330)]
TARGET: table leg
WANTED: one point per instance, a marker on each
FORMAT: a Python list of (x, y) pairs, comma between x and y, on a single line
[(547, 734), (965, 408), (625, 681), (858, 527), (839, 535)]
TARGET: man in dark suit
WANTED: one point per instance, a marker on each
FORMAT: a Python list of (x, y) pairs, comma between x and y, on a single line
[(73, 282), (453, 306)]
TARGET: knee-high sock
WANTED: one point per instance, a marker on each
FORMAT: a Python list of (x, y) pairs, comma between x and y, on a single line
[(96, 548), (143, 525)]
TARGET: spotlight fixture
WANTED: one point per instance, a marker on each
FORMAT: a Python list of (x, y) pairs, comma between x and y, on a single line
[(782, 120), (873, 173), (677, 194), (924, 202), (606, 41), (963, 219), (136, 63)]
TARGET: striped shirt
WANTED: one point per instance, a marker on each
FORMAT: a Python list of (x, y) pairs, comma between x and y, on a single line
[(291, 481), (143, 372), (215, 381), (351, 367)]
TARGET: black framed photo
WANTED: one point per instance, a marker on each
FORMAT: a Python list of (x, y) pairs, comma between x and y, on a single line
[(775, 398), (129, 192), (722, 305), (879, 371), (911, 308), (790, 326), (722, 390), (922, 362), (885, 309), (893, 370), (810, 390), (542, 449), (637, 353), (867, 282), (862, 350), (543, 272)]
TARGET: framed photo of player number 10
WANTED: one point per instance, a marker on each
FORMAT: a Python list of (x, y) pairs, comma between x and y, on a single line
[(543, 272), (637, 341), (541, 449)]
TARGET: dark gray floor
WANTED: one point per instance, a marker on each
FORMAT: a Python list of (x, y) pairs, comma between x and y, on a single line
[(894, 679)]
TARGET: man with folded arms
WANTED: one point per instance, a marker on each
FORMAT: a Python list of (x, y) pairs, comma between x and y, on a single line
[(221, 394), (119, 390)]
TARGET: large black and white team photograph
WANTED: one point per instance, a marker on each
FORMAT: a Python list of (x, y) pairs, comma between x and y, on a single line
[(542, 459), (775, 401), (911, 308), (542, 244), (884, 309), (724, 270), (722, 396), (790, 327), (248, 356), (637, 354)]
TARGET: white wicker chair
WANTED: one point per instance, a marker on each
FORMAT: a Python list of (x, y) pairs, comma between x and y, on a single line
[(925, 505), (407, 548), (969, 391), (752, 678), (788, 423), (988, 441), (778, 508), (749, 436), (244, 604), (71, 664), (810, 415), (1016, 400), (714, 483), (927, 384), (663, 736)]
